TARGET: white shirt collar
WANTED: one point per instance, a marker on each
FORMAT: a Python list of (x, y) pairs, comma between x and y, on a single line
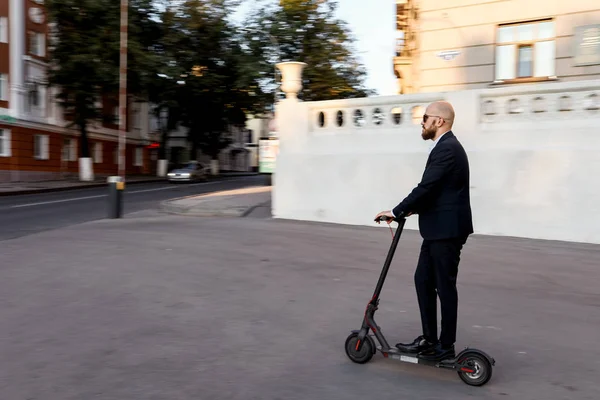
[(436, 141)]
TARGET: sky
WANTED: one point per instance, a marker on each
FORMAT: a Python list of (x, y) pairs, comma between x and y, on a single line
[(373, 25)]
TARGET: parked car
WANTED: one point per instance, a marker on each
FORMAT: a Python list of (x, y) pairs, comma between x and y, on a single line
[(193, 171)]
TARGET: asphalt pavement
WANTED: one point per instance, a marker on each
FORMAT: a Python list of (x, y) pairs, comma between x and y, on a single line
[(155, 306), (27, 214)]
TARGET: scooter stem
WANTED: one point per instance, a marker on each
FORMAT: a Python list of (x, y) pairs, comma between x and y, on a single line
[(388, 260)]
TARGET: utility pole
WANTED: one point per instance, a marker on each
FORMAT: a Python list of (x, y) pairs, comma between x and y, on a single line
[(123, 89), (116, 184)]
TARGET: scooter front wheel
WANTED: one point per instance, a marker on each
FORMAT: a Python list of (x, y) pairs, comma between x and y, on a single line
[(474, 369), (361, 356)]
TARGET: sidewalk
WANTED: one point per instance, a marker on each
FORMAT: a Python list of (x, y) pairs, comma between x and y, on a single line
[(22, 188), (230, 203), (170, 307)]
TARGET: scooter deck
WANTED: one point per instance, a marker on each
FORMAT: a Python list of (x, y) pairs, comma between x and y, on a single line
[(412, 358)]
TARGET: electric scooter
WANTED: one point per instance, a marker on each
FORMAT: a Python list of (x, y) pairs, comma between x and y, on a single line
[(473, 366)]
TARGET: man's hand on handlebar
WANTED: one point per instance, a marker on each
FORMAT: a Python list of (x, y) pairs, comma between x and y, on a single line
[(387, 216), (384, 216)]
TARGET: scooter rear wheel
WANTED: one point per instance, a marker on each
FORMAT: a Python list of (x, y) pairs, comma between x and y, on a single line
[(360, 357), (480, 369)]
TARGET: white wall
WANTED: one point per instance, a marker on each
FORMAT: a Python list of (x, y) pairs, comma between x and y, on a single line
[(533, 174)]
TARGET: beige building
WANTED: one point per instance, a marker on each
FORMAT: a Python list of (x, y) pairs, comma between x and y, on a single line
[(468, 44)]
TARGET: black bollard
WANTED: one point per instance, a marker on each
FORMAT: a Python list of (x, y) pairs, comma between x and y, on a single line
[(115, 196)]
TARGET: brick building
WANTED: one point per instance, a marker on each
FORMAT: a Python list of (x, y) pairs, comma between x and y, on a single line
[(35, 143)]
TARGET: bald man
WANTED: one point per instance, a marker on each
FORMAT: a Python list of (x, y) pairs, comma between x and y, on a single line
[(442, 202)]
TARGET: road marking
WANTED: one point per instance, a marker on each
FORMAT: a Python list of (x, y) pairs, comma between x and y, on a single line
[(58, 201), (98, 196)]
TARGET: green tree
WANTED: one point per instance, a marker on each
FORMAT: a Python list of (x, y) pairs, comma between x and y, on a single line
[(164, 82), (84, 56), (307, 31), (220, 88)]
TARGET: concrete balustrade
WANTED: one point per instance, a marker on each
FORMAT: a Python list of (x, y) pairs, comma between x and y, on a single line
[(534, 152)]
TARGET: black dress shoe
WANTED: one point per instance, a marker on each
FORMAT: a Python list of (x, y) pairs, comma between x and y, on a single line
[(418, 345), (437, 353)]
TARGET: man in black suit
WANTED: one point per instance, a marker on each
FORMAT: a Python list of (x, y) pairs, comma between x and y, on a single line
[(442, 202)]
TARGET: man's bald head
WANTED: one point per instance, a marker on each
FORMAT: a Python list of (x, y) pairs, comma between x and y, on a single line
[(442, 109), (438, 119)]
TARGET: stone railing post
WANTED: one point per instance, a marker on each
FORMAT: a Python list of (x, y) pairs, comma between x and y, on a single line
[(291, 120)]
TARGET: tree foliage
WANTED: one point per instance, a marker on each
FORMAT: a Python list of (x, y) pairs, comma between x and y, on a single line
[(219, 88), (84, 56), (188, 58), (307, 31)]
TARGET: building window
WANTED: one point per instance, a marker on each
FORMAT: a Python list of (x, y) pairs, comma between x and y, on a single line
[(98, 153), (41, 147), (69, 152), (3, 87), (37, 44), (52, 35), (525, 63), (5, 146), (34, 94), (3, 30), (139, 157), (525, 50)]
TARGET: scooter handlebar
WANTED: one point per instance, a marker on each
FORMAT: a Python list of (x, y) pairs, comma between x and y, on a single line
[(385, 218)]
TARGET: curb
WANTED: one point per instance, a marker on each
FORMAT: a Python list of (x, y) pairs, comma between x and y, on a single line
[(67, 188), (104, 184)]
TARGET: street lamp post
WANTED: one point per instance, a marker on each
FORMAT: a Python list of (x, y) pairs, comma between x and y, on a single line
[(116, 184), (123, 88)]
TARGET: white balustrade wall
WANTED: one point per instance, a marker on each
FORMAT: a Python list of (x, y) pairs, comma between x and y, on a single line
[(534, 153)]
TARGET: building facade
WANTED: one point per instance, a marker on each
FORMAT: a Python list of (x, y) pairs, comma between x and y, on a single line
[(473, 44), (35, 142), (239, 156)]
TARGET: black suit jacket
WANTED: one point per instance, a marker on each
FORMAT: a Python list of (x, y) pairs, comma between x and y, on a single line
[(442, 198)]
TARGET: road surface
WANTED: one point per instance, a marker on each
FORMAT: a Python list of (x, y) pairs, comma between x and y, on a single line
[(27, 214), (155, 307)]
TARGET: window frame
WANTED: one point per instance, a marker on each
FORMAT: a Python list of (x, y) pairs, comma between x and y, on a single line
[(523, 43), (72, 150), (5, 137), (37, 49), (4, 30), (4, 87), (98, 153), (44, 148), (138, 157)]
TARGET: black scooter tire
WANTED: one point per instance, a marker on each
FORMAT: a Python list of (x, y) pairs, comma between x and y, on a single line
[(482, 366), (364, 355)]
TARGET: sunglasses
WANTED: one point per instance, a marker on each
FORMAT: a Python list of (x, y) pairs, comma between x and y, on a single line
[(426, 117)]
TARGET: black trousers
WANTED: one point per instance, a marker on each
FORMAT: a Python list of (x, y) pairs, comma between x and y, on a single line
[(436, 275)]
